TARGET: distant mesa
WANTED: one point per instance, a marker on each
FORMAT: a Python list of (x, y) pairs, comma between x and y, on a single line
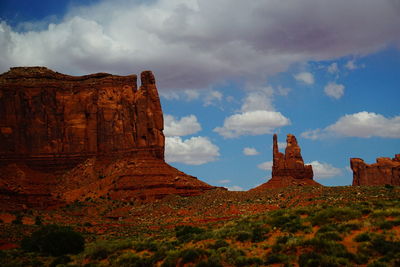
[(66, 138), (288, 169), (385, 171)]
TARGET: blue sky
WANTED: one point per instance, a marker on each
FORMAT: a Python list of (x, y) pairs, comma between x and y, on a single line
[(232, 74)]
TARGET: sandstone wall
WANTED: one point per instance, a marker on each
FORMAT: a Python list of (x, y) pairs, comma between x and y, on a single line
[(50, 119), (384, 171)]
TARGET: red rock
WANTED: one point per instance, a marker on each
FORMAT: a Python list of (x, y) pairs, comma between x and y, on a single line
[(384, 171), (288, 169), (64, 138)]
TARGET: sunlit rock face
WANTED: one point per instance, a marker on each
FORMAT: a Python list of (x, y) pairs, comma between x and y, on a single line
[(66, 137), (384, 171)]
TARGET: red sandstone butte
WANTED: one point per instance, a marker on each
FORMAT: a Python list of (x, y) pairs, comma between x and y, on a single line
[(64, 138), (384, 171), (288, 169)]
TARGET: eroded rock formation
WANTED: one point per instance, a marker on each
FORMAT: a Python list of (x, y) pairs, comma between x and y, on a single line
[(68, 137), (288, 169), (384, 171)]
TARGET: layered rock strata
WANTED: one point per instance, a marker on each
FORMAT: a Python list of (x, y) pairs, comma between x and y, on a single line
[(53, 125), (288, 169), (384, 171)]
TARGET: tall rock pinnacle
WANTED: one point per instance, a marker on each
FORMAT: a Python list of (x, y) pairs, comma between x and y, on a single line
[(291, 163), (288, 169)]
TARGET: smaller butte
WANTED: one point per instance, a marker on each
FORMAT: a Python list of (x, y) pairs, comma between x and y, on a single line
[(385, 171), (288, 169)]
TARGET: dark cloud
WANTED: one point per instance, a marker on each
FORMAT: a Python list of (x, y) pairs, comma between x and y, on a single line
[(195, 44)]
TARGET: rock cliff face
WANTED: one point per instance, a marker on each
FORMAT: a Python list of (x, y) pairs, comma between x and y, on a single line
[(288, 169), (53, 118), (66, 137), (384, 171)]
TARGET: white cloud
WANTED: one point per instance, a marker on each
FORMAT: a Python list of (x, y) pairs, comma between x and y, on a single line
[(362, 124), (193, 151), (333, 68), (191, 94), (334, 90), (305, 77), (258, 98), (324, 170), (351, 65), (195, 44), (212, 97), (283, 91), (225, 181), (252, 123), (185, 126), (266, 166), (235, 188), (250, 151)]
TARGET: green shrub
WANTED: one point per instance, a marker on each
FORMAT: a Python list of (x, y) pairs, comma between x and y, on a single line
[(258, 233), (145, 245), (363, 237), (54, 240), (386, 225), (313, 259), (330, 236), (220, 243), (60, 260), (243, 236), (286, 222), (171, 259), (274, 258), (38, 220), (132, 260), (247, 261), (191, 254), (383, 246), (185, 233), (211, 262), (330, 215), (18, 219)]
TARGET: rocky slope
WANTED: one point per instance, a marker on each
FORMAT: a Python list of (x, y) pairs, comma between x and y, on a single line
[(384, 171), (64, 138)]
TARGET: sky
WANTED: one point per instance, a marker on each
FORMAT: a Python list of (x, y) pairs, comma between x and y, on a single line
[(231, 73)]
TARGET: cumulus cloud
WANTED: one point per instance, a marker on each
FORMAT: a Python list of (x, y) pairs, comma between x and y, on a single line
[(333, 68), (252, 123), (324, 170), (351, 65), (235, 188), (362, 124), (334, 90), (266, 166), (184, 126), (259, 98), (212, 97), (194, 44), (250, 151), (305, 77), (193, 151)]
